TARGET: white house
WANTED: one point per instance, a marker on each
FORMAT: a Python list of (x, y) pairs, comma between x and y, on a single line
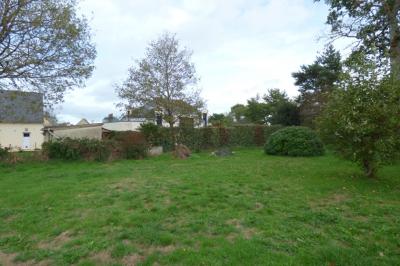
[(21, 120)]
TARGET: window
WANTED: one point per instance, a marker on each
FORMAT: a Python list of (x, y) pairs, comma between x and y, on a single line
[(27, 134)]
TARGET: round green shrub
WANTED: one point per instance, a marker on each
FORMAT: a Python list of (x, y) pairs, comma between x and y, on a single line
[(294, 141)]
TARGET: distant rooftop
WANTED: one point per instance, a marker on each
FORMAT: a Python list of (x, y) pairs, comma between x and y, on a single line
[(21, 107)]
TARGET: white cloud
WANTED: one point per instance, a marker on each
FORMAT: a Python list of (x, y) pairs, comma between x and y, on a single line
[(241, 47)]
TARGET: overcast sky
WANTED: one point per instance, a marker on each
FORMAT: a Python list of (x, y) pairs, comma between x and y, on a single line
[(241, 47)]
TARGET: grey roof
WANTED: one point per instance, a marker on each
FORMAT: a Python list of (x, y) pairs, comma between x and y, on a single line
[(21, 107)]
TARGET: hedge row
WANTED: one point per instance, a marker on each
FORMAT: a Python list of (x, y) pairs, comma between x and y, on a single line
[(199, 139), (123, 145)]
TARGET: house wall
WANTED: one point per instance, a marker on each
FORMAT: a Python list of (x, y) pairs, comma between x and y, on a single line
[(122, 126), (11, 135), (77, 133)]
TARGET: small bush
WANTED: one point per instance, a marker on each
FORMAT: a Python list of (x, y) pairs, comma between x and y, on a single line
[(294, 141), (4, 152)]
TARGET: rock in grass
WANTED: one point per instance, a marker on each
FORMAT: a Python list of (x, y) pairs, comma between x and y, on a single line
[(181, 151), (223, 152), (155, 151)]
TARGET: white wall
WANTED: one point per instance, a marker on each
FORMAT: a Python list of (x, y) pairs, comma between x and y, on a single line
[(122, 126), (92, 132), (11, 135)]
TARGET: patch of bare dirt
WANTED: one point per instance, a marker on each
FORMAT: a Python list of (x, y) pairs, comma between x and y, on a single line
[(123, 185), (7, 259), (259, 206), (246, 232), (132, 260), (57, 242), (332, 200), (145, 251), (103, 257)]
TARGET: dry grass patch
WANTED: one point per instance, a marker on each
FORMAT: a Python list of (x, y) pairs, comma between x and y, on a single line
[(245, 232), (332, 200), (57, 242), (132, 260), (103, 257), (7, 259)]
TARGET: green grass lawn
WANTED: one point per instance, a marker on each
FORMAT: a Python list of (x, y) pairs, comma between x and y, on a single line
[(249, 209)]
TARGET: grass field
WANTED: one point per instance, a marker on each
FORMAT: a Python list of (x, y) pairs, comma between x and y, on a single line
[(249, 209)]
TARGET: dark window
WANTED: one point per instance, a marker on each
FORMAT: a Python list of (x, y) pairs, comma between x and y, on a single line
[(27, 134)]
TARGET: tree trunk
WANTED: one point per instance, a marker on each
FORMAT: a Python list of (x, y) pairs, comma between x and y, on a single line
[(174, 137), (369, 168), (394, 30)]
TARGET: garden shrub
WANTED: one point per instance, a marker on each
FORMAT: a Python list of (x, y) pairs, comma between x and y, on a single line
[(242, 136), (294, 141), (76, 149), (206, 138), (259, 138), (130, 145), (223, 136), (152, 133), (213, 137), (4, 152)]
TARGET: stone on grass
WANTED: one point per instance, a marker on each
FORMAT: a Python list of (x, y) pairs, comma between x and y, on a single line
[(155, 151), (223, 152), (181, 151)]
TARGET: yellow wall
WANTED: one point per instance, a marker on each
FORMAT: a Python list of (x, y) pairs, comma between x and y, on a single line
[(11, 135)]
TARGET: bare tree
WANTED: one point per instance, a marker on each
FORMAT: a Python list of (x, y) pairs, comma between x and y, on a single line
[(44, 47), (164, 80)]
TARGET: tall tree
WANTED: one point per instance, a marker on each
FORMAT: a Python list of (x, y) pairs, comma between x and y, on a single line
[(373, 24), (257, 112), (164, 80), (238, 112), (316, 82), (44, 46), (220, 120)]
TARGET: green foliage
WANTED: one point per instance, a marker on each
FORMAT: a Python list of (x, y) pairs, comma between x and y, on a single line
[(294, 141), (243, 136), (316, 82), (120, 145), (238, 112), (373, 24), (257, 111), (198, 139), (152, 133), (361, 121), (4, 152), (275, 108), (259, 137), (220, 120), (129, 145), (76, 149), (286, 114)]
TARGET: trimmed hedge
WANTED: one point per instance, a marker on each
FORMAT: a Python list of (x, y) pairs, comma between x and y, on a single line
[(77, 149), (198, 139), (294, 141), (117, 145)]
